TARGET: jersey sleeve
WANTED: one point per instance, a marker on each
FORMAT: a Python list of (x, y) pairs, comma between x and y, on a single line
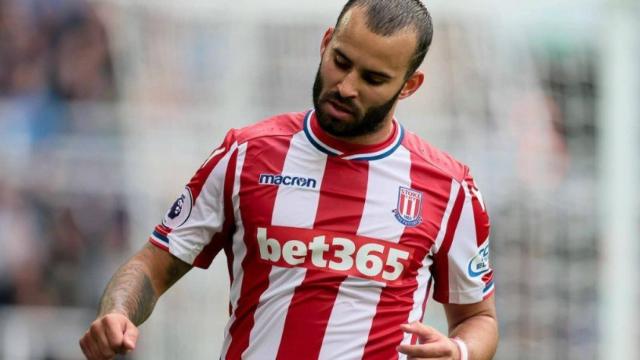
[(461, 269), (198, 224)]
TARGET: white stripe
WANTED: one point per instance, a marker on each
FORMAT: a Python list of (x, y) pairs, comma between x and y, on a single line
[(490, 289), (378, 221), (207, 215), (424, 274), (385, 178), (238, 248), (453, 194), (464, 289), (159, 241), (295, 207), (271, 313), (423, 277), (350, 321), (405, 205)]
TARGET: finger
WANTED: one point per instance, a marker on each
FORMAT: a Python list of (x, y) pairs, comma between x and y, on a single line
[(130, 337), (428, 351), (100, 341), (114, 330), (88, 347), (83, 347), (426, 333)]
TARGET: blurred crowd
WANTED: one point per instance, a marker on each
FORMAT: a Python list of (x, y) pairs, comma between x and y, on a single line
[(54, 57), (55, 48), (54, 245), (51, 52)]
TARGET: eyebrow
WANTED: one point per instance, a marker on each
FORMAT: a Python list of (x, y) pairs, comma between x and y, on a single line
[(371, 72)]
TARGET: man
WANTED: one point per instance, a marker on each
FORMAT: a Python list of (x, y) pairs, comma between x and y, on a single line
[(335, 221)]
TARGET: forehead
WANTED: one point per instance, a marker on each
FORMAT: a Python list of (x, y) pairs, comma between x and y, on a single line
[(391, 53)]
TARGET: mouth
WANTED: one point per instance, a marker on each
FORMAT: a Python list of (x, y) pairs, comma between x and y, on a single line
[(338, 110)]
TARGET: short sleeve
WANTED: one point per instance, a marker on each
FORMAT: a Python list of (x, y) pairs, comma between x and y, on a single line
[(195, 228), (461, 268)]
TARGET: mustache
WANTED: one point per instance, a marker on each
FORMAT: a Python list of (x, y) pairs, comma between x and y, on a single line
[(347, 103)]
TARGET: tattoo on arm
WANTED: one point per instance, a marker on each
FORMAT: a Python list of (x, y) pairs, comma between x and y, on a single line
[(175, 271), (130, 292), (133, 292)]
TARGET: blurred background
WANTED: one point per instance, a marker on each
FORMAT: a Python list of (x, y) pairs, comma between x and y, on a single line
[(107, 107)]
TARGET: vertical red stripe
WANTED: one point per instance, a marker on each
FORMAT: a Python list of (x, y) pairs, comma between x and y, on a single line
[(229, 215), (397, 300), (342, 196), (480, 216), (198, 180), (223, 238), (441, 259), (256, 209), (414, 337)]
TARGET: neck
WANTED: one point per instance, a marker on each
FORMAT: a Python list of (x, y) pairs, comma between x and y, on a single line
[(380, 135)]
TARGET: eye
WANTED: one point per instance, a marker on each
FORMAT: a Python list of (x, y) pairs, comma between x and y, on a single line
[(373, 80), (341, 62)]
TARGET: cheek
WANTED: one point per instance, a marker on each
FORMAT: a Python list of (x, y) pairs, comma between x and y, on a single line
[(328, 77), (373, 98), (330, 74), (380, 95)]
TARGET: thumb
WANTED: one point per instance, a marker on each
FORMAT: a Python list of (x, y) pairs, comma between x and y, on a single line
[(130, 337)]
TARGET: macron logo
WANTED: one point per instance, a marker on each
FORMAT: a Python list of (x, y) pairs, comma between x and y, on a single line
[(286, 180)]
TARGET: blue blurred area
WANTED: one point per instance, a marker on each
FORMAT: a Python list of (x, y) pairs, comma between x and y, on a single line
[(51, 53), (54, 57)]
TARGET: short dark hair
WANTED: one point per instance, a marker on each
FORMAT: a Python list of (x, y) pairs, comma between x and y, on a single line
[(387, 17)]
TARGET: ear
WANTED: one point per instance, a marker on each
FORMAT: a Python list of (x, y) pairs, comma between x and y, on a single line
[(412, 84), (326, 39)]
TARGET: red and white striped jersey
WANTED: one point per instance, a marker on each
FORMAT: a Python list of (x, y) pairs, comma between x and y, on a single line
[(330, 246)]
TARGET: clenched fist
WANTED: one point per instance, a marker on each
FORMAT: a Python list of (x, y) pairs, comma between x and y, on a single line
[(109, 335)]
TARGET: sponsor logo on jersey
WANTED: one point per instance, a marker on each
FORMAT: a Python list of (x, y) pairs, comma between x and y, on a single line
[(409, 209), (180, 210), (344, 254), (288, 180), (479, 264)]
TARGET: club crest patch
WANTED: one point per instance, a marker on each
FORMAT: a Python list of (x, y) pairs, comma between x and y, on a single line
[(409, 209), (180, 210)]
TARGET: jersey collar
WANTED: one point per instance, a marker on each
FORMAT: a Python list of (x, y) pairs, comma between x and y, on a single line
[(348, 151)]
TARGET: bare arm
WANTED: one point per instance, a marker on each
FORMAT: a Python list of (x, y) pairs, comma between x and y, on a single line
[(137, 285), (475, 324), (129, 299)]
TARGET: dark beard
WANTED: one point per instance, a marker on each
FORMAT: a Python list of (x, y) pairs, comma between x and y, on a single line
[(365, 124)]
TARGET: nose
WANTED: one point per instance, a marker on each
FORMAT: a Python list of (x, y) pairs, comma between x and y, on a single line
[(347, 87)]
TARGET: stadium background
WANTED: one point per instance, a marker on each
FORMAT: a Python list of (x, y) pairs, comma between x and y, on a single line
[(108, 106)]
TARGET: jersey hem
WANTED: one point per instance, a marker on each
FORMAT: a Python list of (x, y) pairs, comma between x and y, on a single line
[(463, 297)]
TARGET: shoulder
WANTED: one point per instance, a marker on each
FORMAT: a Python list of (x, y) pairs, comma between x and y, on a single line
[(286, 124), (435, 158)]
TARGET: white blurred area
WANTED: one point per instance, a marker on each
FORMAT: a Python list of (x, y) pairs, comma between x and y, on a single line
[(107, 107)]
